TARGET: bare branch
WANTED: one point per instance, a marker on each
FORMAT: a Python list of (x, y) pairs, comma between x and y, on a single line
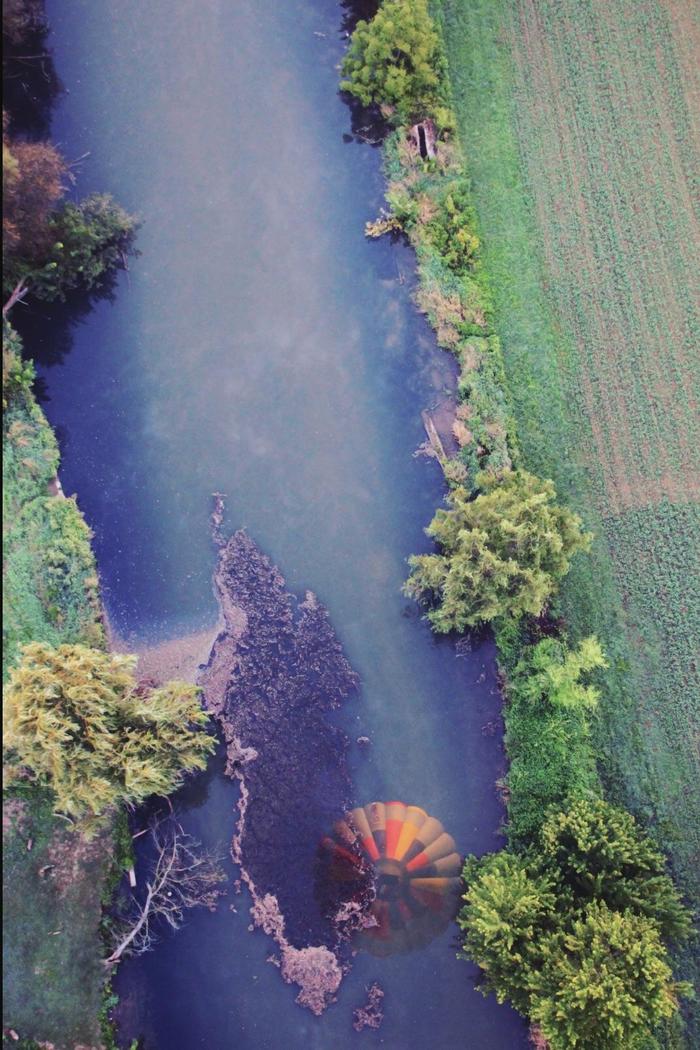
[(183, 876), (19, 290)]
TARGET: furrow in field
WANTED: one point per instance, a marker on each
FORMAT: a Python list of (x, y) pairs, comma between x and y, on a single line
[(611, 242)]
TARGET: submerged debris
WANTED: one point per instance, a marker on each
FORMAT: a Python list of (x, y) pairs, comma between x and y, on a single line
[(371, 1014)]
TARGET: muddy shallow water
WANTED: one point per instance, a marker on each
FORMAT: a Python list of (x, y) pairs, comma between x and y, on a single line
[(260, 346)]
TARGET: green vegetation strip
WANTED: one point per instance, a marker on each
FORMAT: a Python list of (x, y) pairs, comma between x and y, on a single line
[(629, 482), (52, 877), (638, 591)]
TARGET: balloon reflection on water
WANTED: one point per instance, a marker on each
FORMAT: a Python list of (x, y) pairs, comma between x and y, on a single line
[(409, 864)]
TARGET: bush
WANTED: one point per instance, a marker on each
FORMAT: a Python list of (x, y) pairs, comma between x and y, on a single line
[(451, 232), (571, 932), (501, 553), (77, 720), (551, 761), (396, 60)]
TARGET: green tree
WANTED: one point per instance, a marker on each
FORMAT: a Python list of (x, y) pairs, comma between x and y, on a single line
[(604, 984), (589, 975), (501, 553), (396, 60), (89, 240), (551, 672), (79, 723), (599, 852), (507, 911)]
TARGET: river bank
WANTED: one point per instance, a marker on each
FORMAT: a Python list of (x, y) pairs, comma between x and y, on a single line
[(55, 881), (432, 200), (534, 204)]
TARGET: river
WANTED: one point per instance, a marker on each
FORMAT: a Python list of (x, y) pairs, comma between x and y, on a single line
[(262, 347)]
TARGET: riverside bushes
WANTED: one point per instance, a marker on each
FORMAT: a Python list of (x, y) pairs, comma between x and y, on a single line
[(501, 553), (571, 931), (573, 936)]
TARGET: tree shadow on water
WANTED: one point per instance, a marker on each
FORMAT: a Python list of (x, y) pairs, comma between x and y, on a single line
[(48, 329), (31, 85)]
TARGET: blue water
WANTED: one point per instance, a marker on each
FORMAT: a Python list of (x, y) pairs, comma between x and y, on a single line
[(260, 345)]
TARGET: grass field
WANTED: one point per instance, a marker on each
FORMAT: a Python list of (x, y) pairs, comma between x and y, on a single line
[(53, 878), (580, 121)]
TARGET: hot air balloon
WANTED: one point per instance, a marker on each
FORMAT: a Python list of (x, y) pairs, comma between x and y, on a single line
[(414, 867)]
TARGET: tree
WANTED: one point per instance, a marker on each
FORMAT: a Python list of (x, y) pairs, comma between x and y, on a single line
[(502, 553), (396, 60), (33, 182), (78, 722), (589, 978), (550, 672), (182, 876), (89, 241), (50, 250), (600, 853), (604, 983), (507, 911)]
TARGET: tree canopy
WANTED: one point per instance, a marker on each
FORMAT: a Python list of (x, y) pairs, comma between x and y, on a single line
[(33, 182), (50, 247), (601, 853), (551, 672), (396, 60), (501, 553), (572, 932), (78, 721), (604, 982), (89, 241)]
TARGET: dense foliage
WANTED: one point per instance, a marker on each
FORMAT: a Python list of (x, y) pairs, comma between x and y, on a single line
[(501, 553), (550, 672), (33, 176), (451, 231), (395, 60), (572, 932), (54, 250), (600, 853), (89, 240), (552, 699), (548, 732), (78, 721)]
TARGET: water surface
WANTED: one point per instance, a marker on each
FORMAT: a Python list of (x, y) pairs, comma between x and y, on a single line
[(262, 347)]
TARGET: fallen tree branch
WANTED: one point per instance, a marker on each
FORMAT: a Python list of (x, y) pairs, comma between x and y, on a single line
[(20, 289), (183, 876)]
